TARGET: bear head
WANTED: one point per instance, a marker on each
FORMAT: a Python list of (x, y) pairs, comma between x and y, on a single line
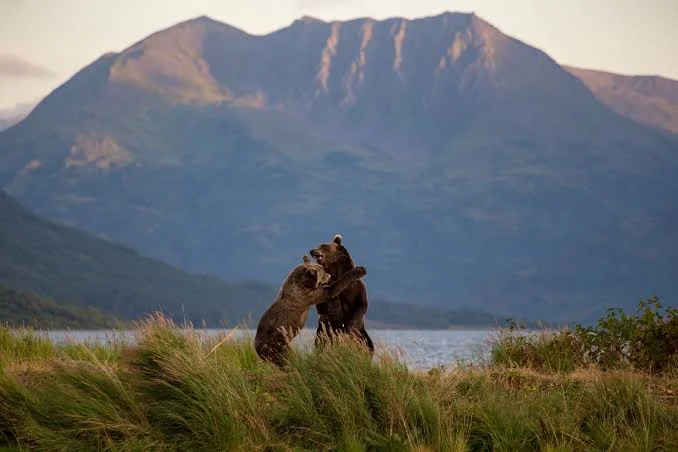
[(333, 256), (310, 275)]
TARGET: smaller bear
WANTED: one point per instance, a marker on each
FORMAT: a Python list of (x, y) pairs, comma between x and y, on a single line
[(345, 313), (304, 287)]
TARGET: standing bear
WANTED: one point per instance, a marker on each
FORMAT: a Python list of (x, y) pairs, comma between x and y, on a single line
[(345, 312), (305, 286)]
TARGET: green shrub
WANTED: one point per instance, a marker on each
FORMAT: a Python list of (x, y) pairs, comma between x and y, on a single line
[(645, 341)]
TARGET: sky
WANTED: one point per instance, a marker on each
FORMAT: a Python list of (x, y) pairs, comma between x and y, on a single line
[(45, 42)]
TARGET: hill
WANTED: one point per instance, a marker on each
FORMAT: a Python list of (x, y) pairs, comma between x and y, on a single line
[(651, 100), (464, 167), (80, 270), (20, 308)]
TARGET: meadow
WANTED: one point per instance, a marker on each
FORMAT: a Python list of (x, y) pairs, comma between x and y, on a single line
[(176, 389)]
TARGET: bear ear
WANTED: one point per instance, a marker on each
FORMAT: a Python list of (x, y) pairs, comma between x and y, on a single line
[(306, 259), (338, 239)]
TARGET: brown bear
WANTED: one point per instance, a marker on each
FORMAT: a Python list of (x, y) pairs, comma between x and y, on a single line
[(346, 312), (305, 286)]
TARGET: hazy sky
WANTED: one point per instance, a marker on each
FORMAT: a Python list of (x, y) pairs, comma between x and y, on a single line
[(44, 42)]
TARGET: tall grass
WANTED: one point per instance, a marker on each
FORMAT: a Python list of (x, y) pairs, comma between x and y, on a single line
[(178, 390)]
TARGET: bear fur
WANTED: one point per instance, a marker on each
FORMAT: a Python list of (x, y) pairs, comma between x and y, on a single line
[(305, 286), (344, 313)]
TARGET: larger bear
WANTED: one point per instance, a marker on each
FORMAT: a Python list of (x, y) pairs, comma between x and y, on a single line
[(346, 312)]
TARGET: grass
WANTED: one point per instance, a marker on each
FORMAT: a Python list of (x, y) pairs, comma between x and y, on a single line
[(176, 389)]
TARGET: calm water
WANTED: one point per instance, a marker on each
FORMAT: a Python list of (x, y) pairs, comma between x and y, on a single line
[(419, 348)]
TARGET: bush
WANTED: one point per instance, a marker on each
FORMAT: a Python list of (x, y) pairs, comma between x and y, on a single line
[(646, 341)]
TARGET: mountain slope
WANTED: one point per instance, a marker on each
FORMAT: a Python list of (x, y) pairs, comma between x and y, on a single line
[(651, 100), (463, 167), (81, 270), (18, 308)]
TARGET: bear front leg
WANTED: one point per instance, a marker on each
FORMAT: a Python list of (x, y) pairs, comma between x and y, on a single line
[(345, 280)]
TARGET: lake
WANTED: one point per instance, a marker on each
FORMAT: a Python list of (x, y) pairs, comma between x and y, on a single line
[(421, 349)]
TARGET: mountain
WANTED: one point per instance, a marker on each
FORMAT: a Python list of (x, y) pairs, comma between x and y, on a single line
[(20, 308), (463, 167), (651, 100)]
